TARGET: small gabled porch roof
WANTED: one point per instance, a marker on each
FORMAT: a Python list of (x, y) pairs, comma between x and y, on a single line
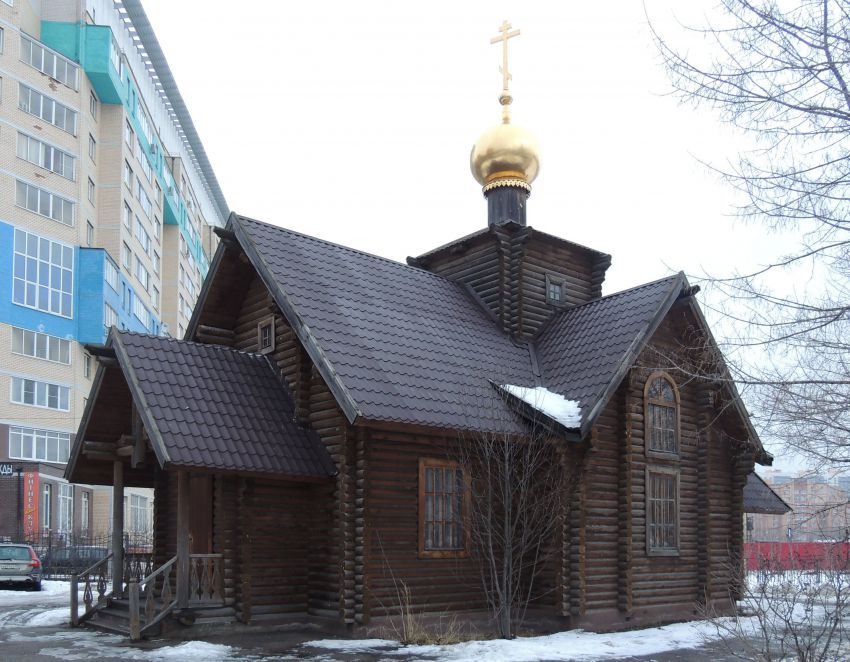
[(203, 407)]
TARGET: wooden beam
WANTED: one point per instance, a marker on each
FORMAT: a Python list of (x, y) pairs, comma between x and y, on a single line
[(138, 456), (98, 446), (117, 528), (100, 457), (182, 539)]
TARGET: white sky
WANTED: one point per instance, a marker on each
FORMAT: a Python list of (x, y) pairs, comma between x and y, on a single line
[(353, 121)]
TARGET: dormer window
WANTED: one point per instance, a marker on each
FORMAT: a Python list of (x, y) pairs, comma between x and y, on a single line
[(554, 291), (265, 336)]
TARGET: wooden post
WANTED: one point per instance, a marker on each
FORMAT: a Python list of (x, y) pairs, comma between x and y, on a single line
[(117, 528), (135, 626), (182, 539), (75, 600)]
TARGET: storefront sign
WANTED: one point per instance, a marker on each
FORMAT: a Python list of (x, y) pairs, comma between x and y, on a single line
[(6, 469), (30, 505)]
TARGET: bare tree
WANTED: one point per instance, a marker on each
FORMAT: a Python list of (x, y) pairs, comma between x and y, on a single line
[(780, 71), (518, 486)]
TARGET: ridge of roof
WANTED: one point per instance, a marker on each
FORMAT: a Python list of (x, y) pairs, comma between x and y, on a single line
[(342, 247), (183, 341), (480, 233)]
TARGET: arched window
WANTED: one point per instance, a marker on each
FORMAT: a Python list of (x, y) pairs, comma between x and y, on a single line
[(661, 399)]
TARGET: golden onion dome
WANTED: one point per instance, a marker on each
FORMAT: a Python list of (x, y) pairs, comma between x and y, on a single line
[(505, 155)]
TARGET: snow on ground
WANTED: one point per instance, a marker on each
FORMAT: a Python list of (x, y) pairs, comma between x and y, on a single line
[(570, 645), (566, 412), (52, 592)]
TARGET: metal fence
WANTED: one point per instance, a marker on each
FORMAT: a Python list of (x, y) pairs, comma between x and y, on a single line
[(63, 555)]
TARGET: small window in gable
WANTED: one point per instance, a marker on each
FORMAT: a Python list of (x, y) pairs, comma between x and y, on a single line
[(265, 336), (554, 291), (661, 400)]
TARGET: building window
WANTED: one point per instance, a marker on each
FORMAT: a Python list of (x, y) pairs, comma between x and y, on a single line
[(140, 514), (143, 160), (92, 148), (442, 509), (141, 313), (662, 511), (93, 105), (66, 508), (144, 199), (155, 297), (44, 203), (142, 274), (40, 445), (156, 263), (129, 135), (110, 275), (110, 317), (554, 290), (45, 156), (43, 274), (40, 394), (157, 227), (89, 233), (49, 62), (85, 510), (91, 191), (128, 176), (46, 502), (265, 336), (126, 256), (41, 346), (51, 111), (142, 236), (128, 216), (87, 366), (661, 399)]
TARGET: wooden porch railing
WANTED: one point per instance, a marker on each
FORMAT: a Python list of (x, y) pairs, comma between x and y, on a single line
[(206, 579), (137, 565), (99, 573), (158, 602)]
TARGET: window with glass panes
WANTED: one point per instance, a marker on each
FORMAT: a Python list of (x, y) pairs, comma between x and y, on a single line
[(662, 414), (442, 508), (43, 274), (662, 510), (41, 346), (34, 444)]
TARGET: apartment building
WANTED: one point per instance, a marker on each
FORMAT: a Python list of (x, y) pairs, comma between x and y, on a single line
[(107, 202)]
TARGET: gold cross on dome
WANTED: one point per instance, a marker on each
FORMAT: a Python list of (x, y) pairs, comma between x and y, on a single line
[(507, 33)]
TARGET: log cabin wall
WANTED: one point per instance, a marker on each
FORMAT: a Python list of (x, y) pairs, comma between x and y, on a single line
[(508, 267), (620, 581), (392, 525), (332, 591)]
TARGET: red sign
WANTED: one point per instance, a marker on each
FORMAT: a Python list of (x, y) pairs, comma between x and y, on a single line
[(30, 505)]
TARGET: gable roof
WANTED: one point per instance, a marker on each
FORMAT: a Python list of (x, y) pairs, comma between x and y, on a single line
[(759, 497), (396, 343), (214, 407), (393, 342), (585, 351)]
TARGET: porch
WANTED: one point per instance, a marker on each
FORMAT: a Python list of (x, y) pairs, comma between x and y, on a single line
[(242, 493)]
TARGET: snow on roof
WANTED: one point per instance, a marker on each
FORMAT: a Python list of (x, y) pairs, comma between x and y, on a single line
[(553, 405)]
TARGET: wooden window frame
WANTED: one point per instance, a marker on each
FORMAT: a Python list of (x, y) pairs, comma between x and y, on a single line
[(462, 552), (552, 280), (663, 551), (262, 324), (647, 401)]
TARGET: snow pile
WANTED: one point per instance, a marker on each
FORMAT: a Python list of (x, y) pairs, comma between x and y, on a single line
[(191, 650), (51, 593), (570, 645), (557, 407)]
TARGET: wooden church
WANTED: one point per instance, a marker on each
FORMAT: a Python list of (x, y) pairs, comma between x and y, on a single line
[(301, 439)]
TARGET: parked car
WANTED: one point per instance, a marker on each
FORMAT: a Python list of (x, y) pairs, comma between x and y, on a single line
[(73, 560), (20, 565)]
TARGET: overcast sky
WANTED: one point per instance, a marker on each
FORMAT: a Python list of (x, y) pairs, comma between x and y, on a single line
[(353, 121)]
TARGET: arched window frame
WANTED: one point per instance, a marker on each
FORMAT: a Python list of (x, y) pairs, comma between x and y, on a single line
[(648, 403)]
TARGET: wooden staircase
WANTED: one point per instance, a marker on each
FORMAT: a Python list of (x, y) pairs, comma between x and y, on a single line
[(149, 603)]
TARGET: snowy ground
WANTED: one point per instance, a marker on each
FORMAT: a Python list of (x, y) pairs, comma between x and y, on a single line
[(33, 625)]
